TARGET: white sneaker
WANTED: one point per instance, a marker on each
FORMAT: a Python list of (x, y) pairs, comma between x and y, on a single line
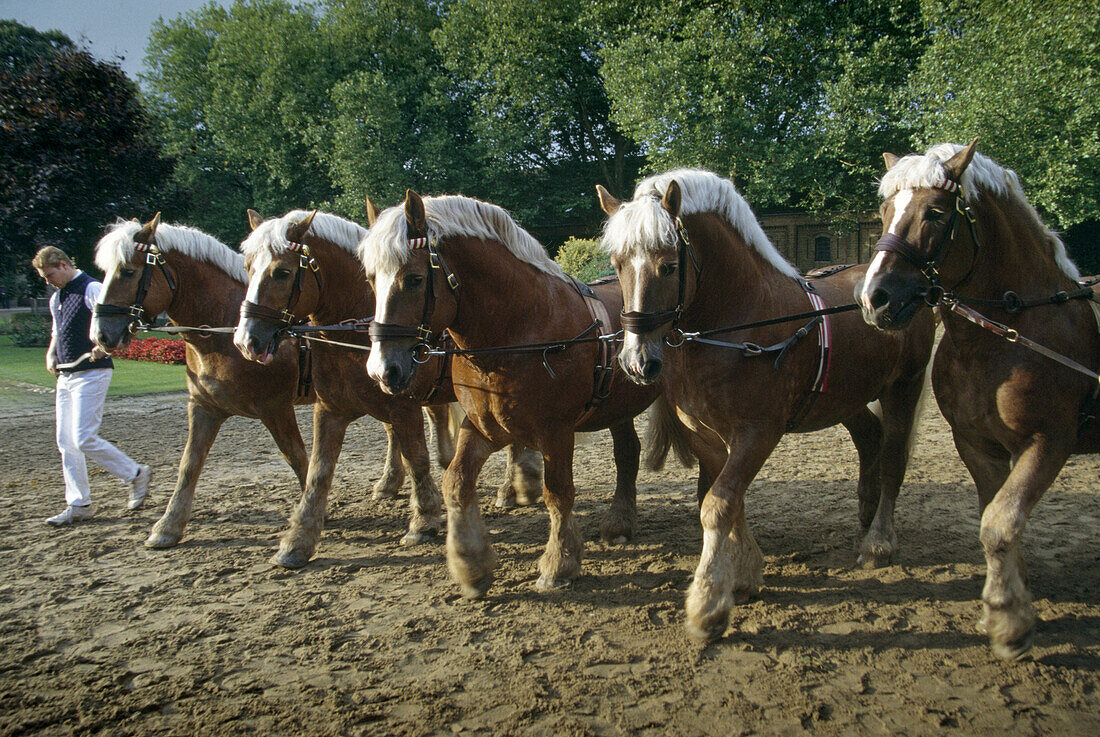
[(139, 487), (72, 514)]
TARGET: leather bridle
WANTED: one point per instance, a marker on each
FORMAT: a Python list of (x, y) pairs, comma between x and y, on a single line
[(287, 316), (644, 322), (380, 331), (136, 311), (929, 266)]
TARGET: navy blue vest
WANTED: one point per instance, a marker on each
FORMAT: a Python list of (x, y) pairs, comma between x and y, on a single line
[(74, 319)]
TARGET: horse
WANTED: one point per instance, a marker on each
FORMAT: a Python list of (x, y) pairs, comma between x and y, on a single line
[(959, 233), (305, 263), (198, 281), (462, 265), (692, 260)]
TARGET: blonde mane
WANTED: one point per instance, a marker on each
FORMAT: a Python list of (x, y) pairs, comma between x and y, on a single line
[(118, 247), (644, 225), (271, 234), (923, 171), (386, 246)]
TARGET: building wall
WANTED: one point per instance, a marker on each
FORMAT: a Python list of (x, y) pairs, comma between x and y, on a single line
[(796, 236)]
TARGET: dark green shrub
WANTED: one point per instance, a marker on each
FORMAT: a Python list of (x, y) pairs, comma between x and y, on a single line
[(29, 330), (584, 259)]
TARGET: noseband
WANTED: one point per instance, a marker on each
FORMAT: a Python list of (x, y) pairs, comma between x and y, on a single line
[(136, 311), (929, 266), (644, 322), (286, 316), (380, 331)]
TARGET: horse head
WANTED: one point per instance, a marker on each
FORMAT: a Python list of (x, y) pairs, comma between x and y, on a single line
[(922, 215), (650, 254), (279, 292), (414, 292), (136, 282)]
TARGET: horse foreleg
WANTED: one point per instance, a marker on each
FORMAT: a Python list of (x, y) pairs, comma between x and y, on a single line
[(203, 424), (308, 519), (622, 518), (283, 426), (426, 503), (561, 560), (731, 566), (988, 463), (470, 558), (522, 485), (439, 419), (866, 431), (393, 472)]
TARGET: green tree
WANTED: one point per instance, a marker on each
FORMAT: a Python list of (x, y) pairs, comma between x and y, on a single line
[(22, 46), (75, 153), (541, 115), (1024, 77), (790, 99)]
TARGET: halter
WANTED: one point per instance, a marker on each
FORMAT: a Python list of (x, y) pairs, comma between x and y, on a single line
[(644, 322), (287, 316), (380, 331), (929, 266), (136, 310)]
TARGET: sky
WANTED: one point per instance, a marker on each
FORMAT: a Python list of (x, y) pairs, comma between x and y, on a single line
[(110, 28)]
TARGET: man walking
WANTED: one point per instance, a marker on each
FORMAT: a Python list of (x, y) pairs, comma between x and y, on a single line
[(83, 374)]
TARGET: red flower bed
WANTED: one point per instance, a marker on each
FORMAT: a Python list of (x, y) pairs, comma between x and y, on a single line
[(160, 350)]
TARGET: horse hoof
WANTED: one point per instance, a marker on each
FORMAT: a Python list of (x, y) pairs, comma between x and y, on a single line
[(162, 540), (478, 588), (870, 561), (525, 500), (506, 502), (983, 625), (380, 494), (1017, 649), (616, 540), (416, 537), (290, 559), (709, 632), (548, 583)]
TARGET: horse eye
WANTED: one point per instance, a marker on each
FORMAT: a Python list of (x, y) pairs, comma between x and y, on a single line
[(281, 273), (934, 214), (412, 281), (127, 273), (668, 268)]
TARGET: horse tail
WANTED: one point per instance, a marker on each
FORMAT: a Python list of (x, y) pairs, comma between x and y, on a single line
[(666, 432), (918, 411)]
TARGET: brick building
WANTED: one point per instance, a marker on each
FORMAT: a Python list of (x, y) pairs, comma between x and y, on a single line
[(809, 242)]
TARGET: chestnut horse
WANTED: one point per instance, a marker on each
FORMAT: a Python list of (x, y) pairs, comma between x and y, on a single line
[(959, 232), (461, 265), (324, 282), (197, 280), (691, 257)]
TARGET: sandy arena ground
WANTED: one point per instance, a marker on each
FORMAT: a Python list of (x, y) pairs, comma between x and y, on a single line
[(100, 636)]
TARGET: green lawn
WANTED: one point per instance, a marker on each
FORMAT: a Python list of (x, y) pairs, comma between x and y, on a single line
[(28, 365)]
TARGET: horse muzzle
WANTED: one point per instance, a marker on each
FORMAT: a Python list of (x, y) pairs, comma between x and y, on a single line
[(641, 360), (110, 334), (393, 369), (256, 341), (889, 302)]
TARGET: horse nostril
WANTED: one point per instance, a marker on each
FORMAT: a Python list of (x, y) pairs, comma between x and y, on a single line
[(879, 298), (651, 369), (391, 375)]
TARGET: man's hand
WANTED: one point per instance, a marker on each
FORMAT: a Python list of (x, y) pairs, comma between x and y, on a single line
[(98, 353)]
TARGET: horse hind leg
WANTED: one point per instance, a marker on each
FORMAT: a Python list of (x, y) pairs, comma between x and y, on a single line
[(619, 524), (560, 562), (393, 472), (470, 558), (442, 421), (203, 424), (283, 426), (877, 544), (522, 485)]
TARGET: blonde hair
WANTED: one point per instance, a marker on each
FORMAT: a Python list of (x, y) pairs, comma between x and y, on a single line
[(51, 256)]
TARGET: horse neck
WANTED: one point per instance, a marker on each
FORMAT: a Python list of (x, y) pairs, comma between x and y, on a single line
[(1014, 254), (735, 281), (205, 295), (345, 291), (503, 300)]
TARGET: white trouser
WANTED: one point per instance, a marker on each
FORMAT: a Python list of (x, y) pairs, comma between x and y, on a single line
[(80, 398)]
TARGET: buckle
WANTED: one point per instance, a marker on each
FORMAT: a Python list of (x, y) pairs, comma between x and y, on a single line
[(424, 334)]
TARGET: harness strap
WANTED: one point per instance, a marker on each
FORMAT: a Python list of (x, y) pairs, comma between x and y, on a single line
[(305, 369), (824, 342), (605, 358)]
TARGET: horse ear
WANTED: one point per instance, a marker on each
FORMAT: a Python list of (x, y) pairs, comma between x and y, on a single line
[(415, 215), (255, 219), (372, 212), (148, 231), (890, 159), (671, 200), (297, 231), (956, 165), (608, 203)]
